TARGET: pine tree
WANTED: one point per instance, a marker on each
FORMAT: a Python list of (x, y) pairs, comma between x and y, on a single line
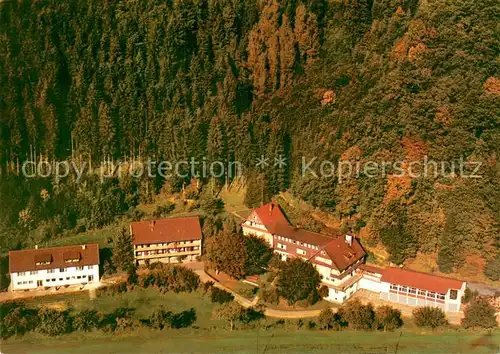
[(123, 252)]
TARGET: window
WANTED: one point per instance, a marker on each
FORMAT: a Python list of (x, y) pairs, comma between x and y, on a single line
[(412, 291), (67, 278), (79, 268), (19, 283), (394, 287), (61, 279), (33, 272), (421, 292), (79, 277), (440, 296), (299, 251), (281, 246), (62, 270), (453, 294), (21, 274), (403, 289), (431, 294), (53, 279), (51, 270)]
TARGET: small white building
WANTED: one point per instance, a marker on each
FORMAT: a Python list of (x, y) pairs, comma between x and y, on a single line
[(54, 267)]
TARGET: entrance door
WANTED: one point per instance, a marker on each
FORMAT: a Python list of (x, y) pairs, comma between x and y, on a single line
[(91, 277), (38, 283)]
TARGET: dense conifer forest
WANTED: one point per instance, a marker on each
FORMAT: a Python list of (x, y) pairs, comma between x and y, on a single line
[(232, 80)]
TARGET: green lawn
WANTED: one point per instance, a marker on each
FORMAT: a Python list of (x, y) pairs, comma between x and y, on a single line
[(144, 301), (255, 341)]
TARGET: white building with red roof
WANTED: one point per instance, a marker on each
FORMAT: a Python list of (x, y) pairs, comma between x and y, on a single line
[(336, 257), (412, 288), (339, 260), (167, 240), (54, 267)]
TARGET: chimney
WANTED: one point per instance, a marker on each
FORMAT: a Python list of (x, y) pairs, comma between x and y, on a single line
[(36, 247), (84, 247), (152, 225), (348, 239)]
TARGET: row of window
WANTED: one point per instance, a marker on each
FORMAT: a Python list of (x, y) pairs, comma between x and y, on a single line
[(67, 278), (61, 270), (25, 282), (281, 238), (171, 251), (414, 291)]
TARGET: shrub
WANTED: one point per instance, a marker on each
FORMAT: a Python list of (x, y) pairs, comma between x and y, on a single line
[(469, 295), (183, 319), (428, 316), (115, 321), (86, 320), (479, 313), (269, 294), (207, 286), (15, 319), (492, 269), (357, 315), (388, 318), (52, 322), (160, 318), (170, 278), (323, 291), (221, 296), (327, 320)]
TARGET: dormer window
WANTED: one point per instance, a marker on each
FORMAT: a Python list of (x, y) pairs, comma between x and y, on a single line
[(72, 257), (43, 259)]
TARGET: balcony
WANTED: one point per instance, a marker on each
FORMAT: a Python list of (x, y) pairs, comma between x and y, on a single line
[(168, 246), (167, 255)]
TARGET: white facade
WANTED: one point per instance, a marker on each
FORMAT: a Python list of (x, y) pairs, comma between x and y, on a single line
[(55, 277)]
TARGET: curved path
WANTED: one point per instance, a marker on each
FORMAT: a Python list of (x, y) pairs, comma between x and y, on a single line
[(267, 311)]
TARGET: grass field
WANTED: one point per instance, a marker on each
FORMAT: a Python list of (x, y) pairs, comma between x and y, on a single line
[(257, 341)]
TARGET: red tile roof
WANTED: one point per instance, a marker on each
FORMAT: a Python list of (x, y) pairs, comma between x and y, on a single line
[(166, 230), (271, 213), (26, 260), (418, 280), (342, 254)]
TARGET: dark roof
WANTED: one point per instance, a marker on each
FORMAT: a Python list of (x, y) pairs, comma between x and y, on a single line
[(26, 260), (300, 235), (271, 213), (418, 280), (166, 230)]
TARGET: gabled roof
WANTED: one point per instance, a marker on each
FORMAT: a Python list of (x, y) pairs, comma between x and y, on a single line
[(342, 254), (52, 258), (418, 280), (166, 230), (270, 213)]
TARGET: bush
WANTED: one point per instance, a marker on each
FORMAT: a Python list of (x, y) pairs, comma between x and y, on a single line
[(357, 315), (170, 278), (469, 295), (323, 291), (427, 316), (388, 318), (183, 319), (329, 320), (15, 319), (118, 320), (492, 269), (86, 320), (269, 294), (220, 296), (52, 322), (479, 313), (207, 286), (160, 318)]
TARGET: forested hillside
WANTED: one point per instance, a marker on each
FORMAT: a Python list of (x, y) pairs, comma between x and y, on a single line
[(380, 80)]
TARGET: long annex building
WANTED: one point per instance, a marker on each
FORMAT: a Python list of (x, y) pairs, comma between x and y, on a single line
[(340, 259)]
